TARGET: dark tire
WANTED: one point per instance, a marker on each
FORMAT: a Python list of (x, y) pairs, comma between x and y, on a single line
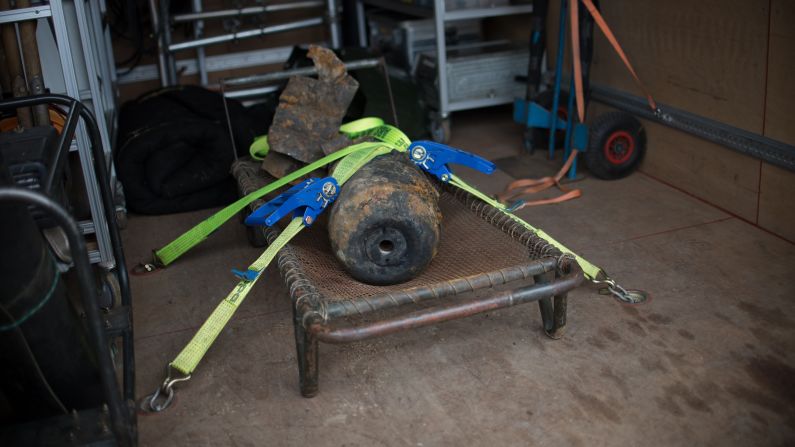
[(538, 138), (616, 146)]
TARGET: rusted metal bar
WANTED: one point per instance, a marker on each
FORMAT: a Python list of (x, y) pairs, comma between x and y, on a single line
[(239, 35), (545, 305), (249, 10), (5, 78), (303, 71), (434, 315), (306, 344), (553, 309), (30, 52), (559, 317), (19, 87), (414, 295)]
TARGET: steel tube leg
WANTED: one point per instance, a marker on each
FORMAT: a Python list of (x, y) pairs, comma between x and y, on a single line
[(559, 317), (307, 350), (545, 304)]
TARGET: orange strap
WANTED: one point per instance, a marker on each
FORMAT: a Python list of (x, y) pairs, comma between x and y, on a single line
[(576, 63), (600, 21), (519, 188)]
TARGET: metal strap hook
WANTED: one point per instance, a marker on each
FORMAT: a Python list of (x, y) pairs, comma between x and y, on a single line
[(164, 394), (609, 286)]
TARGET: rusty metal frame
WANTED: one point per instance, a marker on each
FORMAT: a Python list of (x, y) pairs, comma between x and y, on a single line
[(316, 318)]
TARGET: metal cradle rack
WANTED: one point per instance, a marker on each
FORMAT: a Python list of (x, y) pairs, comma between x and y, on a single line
[(162, 21), (515, 267), (83, 69)]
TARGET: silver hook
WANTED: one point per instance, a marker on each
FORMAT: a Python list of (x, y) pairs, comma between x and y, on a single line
[(165, 391), (628, 296)]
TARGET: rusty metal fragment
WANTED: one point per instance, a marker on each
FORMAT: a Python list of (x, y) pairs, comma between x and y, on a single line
[(279, 165), (310, 110), (333, 145)]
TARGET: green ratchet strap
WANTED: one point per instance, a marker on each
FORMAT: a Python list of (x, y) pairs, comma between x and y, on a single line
[(351, 158), (189, 358), (179, 246), (259, 148), (191, 355)]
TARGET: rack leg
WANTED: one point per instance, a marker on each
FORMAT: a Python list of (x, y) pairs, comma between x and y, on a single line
[(553, 310), (307, 349), (559, 317), (545, 304)]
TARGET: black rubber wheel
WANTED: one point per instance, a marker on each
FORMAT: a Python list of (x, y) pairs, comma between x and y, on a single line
[(616, 146), (110, 290), (538, 138)]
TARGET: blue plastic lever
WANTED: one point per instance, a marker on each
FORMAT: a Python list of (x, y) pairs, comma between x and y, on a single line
[(247, 275), (435, 158), (260, 214), (309, 198)]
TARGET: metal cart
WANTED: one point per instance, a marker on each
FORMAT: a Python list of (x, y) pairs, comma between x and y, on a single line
[(440, 129), (116, 419)]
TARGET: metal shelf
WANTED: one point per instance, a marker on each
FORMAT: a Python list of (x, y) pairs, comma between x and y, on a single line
[(18, 15), (86, 226), (403, 8), (479, 102), (452, 15), (94, 257), (485, 13), (162, 21), (441, 16), (79, 64)]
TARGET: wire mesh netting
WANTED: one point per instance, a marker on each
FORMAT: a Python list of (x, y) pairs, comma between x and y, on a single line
[(476, 239)]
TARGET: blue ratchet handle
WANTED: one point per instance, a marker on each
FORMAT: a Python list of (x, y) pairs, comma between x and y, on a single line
[(435, 158), (260, 214)]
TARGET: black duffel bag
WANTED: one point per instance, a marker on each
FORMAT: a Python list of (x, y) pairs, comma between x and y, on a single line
[(175, 152)]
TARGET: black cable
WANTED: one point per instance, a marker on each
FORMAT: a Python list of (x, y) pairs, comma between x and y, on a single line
[(131, 18), (35, 363)]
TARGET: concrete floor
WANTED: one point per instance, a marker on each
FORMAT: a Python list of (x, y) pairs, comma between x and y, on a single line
[(709, 361)]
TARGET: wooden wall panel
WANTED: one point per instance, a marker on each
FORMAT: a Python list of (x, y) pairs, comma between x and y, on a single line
[(777, 201), (711, 172), (779, 115), (706, 170), (707, 57)]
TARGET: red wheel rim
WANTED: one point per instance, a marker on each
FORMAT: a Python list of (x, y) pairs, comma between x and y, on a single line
[(619, 147)]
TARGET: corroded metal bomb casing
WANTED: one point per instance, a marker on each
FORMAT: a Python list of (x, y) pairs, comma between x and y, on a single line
[(384, 227)]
